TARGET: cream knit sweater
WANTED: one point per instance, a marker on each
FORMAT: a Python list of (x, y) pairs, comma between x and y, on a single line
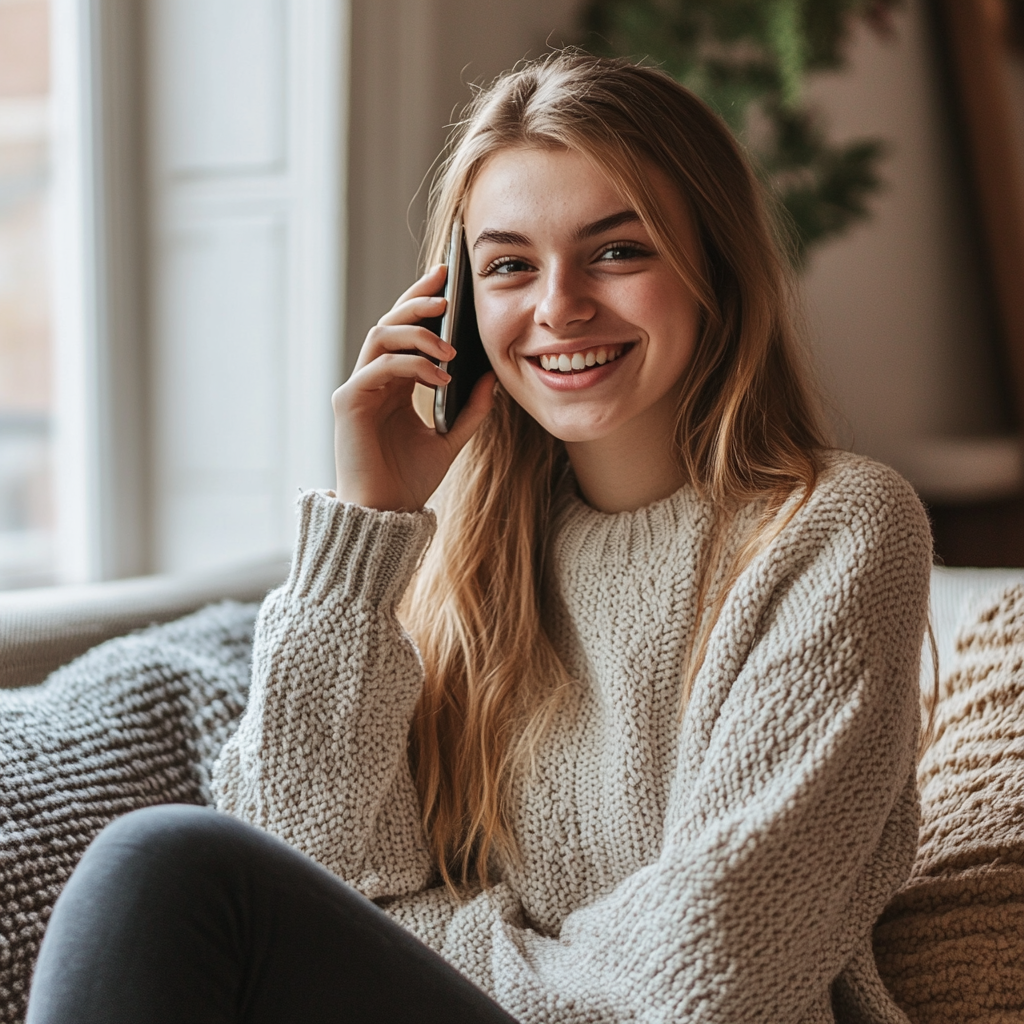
[(728, 869)]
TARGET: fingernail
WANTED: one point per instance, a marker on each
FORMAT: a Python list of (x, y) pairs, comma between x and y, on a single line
[(446, 377)]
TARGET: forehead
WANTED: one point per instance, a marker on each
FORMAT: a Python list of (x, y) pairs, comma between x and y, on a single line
[(552, 182), (535, 190)]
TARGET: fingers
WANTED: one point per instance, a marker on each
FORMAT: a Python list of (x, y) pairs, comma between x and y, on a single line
[(400, 329), (429, 284), (391, 366), (474, 412), (404, 338), (412, 310)]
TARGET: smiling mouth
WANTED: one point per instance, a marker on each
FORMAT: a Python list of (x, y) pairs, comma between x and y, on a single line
[(563, 363)]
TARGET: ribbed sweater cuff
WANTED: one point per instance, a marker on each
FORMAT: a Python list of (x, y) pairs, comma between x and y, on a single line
[(357, 552)]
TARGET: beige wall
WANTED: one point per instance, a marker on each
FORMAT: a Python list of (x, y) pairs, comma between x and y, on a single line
[(895, 308)]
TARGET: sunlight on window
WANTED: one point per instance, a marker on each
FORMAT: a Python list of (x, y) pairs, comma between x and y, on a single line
[(25, 332)]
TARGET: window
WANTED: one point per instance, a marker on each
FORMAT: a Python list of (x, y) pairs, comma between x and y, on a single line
[(246, 192), (172, 364), (26, 515)]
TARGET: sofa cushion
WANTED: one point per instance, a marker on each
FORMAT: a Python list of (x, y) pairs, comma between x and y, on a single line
[(955, 593), (46, 627), (950, 946), (136, 721)]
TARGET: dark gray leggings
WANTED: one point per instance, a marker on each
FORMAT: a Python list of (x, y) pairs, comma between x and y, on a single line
[(182, 915)]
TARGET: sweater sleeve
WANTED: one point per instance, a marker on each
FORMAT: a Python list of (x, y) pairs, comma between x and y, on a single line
[(792, 818), (319, 757)]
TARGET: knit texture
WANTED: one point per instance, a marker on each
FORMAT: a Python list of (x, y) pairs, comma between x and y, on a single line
[(726, 869), (136, 721), (951, 944)]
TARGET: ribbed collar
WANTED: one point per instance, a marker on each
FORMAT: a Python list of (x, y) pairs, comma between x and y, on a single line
[(619, 541)]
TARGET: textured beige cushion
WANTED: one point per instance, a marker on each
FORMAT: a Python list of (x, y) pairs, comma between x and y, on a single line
[(42, 629), (956, 594), (950, 946)]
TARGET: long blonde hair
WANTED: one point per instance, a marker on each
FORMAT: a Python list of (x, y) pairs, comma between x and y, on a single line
[(746, 429)]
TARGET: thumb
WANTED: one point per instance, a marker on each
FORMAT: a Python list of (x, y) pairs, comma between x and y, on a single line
[(474, 412)]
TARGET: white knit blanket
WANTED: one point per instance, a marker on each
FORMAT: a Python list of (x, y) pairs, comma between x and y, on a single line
[(136, 721)]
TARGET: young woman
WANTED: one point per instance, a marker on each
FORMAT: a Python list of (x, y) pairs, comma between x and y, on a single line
[(633, 737)]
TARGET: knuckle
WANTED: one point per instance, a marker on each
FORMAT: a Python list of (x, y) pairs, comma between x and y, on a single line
[(339, 398)]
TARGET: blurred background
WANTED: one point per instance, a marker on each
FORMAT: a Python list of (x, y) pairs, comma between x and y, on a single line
[(204, 204)]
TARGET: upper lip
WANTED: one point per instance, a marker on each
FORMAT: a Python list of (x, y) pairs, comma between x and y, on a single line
[(576, 346)]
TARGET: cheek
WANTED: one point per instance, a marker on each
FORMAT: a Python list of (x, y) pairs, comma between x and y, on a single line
[(655, 303), (500, 323), (677, 323)]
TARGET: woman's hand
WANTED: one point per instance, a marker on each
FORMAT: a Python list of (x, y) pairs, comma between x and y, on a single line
[(386, 456)]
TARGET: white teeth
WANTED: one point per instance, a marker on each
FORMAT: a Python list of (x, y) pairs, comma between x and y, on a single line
[(566, 363)]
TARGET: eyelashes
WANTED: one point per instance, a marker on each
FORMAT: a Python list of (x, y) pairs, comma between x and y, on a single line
[(502, 262), (507, 265), (633, 250)]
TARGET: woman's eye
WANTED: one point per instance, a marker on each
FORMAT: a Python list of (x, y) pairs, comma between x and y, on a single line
[(506, 265), (619, 251)]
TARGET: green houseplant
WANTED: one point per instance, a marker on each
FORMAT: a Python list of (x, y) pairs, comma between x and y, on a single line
[(748, 59)]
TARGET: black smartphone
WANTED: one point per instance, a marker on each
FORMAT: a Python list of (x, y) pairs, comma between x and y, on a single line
[(458, 327)]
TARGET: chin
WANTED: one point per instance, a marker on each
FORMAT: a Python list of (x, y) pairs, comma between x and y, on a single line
[(577, 431)]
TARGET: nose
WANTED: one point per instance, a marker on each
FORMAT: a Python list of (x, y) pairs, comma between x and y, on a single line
[(564, 300)]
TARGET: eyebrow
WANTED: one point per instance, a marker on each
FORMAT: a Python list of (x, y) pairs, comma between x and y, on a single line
[(500, 238), (587, 231), (599, 227)]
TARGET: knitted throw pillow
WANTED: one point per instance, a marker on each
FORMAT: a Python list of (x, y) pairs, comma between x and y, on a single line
[(136, 721), (950, 946)]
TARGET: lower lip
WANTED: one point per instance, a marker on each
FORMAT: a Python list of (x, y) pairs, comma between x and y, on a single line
[(578, 379)]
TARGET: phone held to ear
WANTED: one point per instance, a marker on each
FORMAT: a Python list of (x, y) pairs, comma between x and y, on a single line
[(458, 327)]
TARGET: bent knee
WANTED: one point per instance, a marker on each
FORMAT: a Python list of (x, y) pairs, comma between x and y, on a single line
[(172, 835)]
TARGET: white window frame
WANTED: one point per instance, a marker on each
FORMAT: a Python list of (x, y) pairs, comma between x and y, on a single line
[(103, 275)]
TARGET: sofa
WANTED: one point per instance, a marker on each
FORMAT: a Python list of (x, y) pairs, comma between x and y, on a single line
[(44, 628), (120, 695)]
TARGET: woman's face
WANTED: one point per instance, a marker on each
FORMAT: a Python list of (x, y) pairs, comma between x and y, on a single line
[(586, 326)]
